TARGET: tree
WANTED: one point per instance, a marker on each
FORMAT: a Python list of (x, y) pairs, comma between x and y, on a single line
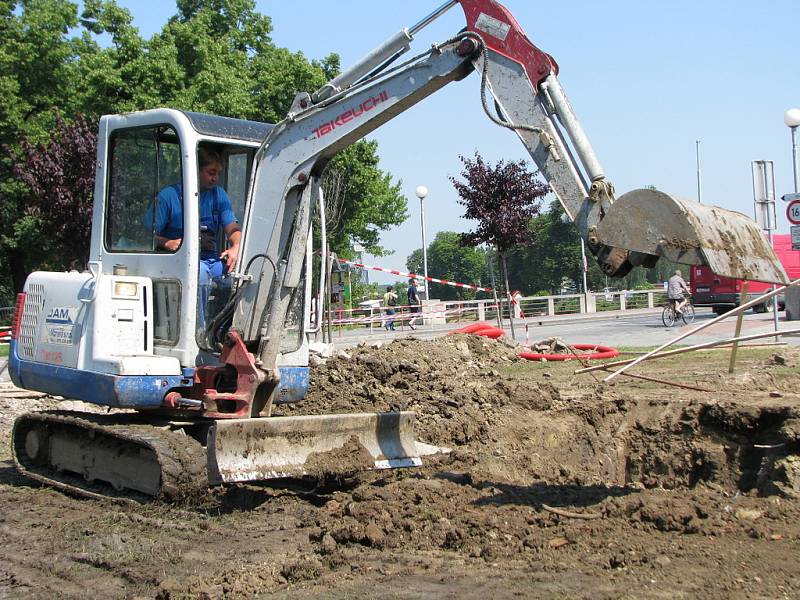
[(451, 260), (553, 255), (213, 55), (60, 176), (362, 199), (38, 71), (503, 199)]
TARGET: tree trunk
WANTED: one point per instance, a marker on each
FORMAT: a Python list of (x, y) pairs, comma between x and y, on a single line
[(508, 295), (491, 258), (16, 265)]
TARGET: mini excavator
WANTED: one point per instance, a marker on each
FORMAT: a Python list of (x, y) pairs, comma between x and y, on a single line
[(198, 393)]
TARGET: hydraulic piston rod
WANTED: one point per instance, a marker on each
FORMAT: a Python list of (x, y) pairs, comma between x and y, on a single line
[(382, 55)]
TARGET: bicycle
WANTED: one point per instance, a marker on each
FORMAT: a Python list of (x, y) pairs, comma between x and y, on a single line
[(669, 315)]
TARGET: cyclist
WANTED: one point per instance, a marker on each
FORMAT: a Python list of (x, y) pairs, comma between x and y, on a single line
[(675, 289)]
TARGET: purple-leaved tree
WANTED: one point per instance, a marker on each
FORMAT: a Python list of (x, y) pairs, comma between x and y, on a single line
[(503, 199), (60, 176)]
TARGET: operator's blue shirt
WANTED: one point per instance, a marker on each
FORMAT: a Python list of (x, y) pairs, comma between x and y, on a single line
[(215, 210)]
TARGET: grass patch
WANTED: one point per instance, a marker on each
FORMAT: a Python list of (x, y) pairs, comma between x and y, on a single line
[(678, 367), (3, 350)]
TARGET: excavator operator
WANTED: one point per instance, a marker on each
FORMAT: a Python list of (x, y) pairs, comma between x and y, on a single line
[(215, 214)]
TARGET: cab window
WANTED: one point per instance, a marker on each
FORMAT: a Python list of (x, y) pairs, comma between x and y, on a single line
[(142, 162)]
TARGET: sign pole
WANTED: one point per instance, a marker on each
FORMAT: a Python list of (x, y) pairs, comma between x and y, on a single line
[(793, 216), (764, 206)]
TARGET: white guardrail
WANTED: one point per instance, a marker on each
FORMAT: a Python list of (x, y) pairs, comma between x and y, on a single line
[(442, 312), (455, 311)]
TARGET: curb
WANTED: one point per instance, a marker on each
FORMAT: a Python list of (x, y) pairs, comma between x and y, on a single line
[(605, 315)]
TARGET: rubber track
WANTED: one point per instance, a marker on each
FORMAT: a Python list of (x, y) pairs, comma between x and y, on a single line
[(182, 459)]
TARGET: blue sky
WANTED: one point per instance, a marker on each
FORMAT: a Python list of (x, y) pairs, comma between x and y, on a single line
[(646, 79)]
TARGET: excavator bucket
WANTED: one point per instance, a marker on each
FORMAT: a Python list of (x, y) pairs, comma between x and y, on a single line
[(653, 222), (281, 447)]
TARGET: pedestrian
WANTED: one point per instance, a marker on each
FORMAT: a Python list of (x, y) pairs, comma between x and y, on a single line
[(390, 302), (414, 303)]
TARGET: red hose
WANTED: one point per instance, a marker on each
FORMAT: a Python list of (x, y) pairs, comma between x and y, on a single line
[(490, 332), (599, 352), (472, 327)]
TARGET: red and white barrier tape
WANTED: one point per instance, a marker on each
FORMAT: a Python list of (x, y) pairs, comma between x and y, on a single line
[(512, 297), (400, 316), (468, 286)]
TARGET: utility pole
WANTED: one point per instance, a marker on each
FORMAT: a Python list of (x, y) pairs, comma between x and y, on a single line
[(699, 186)]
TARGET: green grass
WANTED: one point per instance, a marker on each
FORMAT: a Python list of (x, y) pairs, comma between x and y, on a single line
[(3, 350)]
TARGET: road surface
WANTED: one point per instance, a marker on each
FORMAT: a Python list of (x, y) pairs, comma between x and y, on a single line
[(641, 327)]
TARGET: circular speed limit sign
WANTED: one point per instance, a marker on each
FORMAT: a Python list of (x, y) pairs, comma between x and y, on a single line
[(793, 212)]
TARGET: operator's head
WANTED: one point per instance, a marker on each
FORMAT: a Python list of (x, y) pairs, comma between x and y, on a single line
[(389, 288), (678, 272), (412, 280), (210, 166)]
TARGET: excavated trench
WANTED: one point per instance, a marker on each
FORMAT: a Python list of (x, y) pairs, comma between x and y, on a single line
[(513, 421)]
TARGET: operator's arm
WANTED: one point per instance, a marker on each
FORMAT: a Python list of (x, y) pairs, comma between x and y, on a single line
[(167, 236), (230, 224), (234, 234), (163, 243)]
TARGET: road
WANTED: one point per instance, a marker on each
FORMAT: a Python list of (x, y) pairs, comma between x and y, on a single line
[(618, 328)]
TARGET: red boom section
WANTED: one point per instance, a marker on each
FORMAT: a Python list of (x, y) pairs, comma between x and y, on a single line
[(501, 32)]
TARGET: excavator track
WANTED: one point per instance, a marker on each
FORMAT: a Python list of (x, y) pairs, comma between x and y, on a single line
[(122, 457)]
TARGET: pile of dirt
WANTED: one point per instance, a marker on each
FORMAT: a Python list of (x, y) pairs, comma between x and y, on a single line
[(506, 421), (336, 467), (452, 384)]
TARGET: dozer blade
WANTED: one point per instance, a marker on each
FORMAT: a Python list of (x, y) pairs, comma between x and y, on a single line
[(653, 222), (279, 447)]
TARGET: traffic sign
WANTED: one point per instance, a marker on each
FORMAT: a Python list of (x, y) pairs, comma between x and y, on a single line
[(793, 212), (795, 229), (790, 197)]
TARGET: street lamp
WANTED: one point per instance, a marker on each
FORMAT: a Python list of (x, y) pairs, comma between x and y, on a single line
[(421, 192), (792, 119)]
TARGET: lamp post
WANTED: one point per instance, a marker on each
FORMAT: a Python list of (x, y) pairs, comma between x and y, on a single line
[(421, 192), (699, 187), (792, 119)]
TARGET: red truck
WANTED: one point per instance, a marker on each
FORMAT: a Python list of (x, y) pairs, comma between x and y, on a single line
[(723, 294)]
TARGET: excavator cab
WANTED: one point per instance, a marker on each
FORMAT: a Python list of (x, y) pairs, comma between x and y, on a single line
[(151, 194), (134, 316)]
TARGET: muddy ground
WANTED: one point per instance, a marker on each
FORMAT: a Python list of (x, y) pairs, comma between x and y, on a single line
[(557, 486)]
